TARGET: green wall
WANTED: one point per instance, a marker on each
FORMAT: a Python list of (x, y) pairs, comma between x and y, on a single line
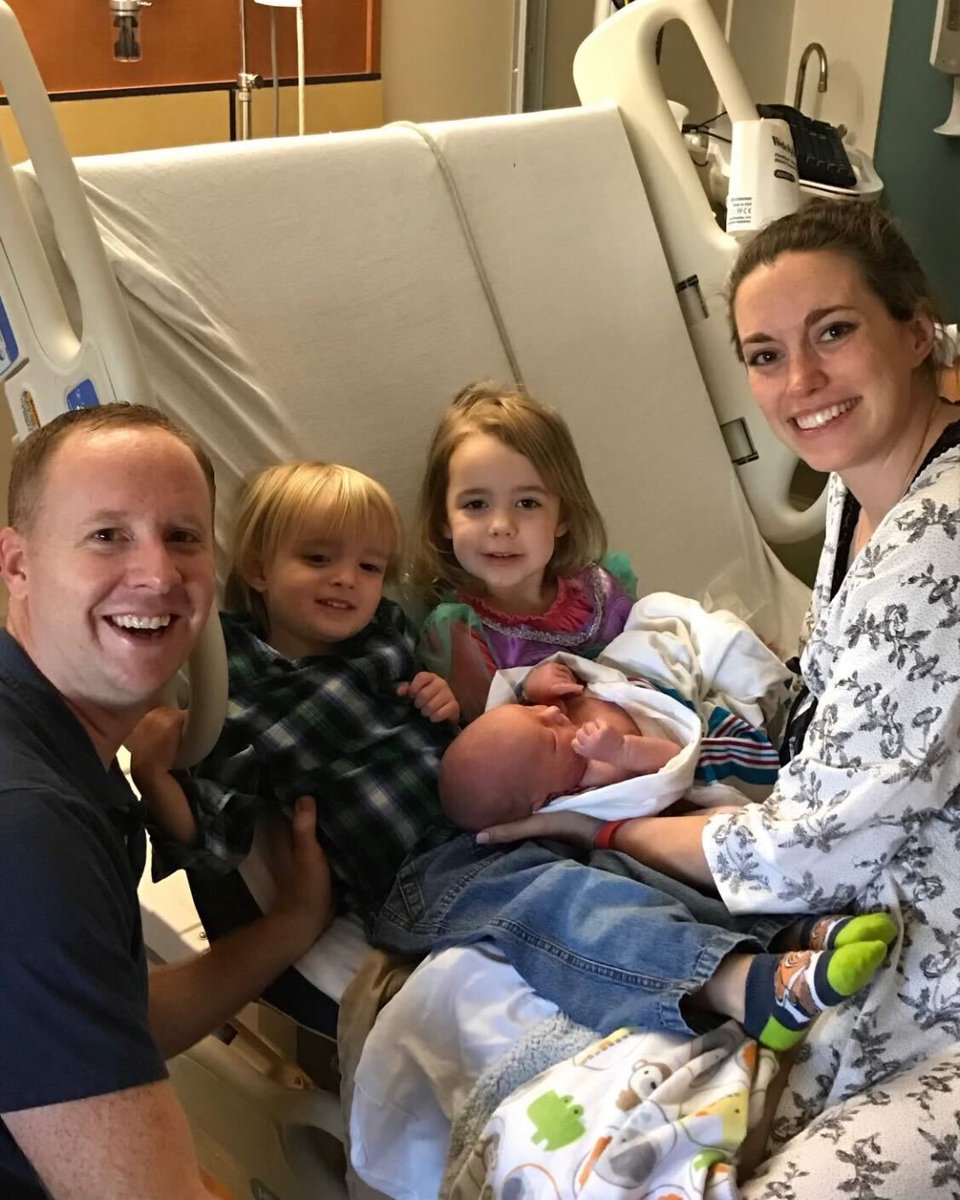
[(920, 168)]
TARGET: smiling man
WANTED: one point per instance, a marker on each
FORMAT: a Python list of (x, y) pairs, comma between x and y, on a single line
[(108, 561)]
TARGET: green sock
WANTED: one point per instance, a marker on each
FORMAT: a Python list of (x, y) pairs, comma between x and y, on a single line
[(786, 993), (833, 930)]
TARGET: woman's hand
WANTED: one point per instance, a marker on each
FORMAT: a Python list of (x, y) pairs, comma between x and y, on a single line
[(574, 827), (432, 696)]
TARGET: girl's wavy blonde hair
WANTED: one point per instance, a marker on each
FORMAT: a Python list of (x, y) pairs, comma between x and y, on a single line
[(538, 433), (276, 501)]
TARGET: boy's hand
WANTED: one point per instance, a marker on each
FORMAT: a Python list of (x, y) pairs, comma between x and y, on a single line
[(154, 743), (594, 739), (432, 696), (549, 682)]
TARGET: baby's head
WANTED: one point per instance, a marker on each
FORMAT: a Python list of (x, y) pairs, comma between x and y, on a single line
[(507, 764), (314, 545), (542, 437)]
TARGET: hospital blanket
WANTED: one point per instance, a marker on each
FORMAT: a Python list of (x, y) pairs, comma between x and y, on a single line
[(633, 1115)]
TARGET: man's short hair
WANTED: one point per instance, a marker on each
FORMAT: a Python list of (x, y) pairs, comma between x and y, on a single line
[(31, 457)]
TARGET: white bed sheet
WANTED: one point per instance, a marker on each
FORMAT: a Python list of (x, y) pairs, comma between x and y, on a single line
[(458, 1013)]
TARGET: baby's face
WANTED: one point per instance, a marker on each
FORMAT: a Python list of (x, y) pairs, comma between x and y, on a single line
[(547, 764)]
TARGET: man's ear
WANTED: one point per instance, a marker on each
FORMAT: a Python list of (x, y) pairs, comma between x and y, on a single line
[(13, 561)]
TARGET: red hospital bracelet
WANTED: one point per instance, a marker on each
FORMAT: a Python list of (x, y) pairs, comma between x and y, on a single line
[(606, 833)]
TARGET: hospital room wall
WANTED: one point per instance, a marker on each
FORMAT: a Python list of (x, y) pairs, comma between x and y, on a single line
[(109, 125), (767, 41), (920, 168), (444, 61)]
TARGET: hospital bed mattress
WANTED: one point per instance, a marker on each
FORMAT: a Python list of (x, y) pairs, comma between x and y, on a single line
[(326, 296)]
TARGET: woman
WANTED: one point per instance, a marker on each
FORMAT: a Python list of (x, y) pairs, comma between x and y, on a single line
[(833, 318)]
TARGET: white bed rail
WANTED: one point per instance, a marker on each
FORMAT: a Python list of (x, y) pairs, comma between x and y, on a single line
[(617, 63), (45, 367)]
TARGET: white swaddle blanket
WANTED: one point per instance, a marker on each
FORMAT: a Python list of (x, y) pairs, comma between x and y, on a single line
[(710, 659), (652, 712)]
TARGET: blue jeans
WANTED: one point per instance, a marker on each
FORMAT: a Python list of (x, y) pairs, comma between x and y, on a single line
[(619, 945)]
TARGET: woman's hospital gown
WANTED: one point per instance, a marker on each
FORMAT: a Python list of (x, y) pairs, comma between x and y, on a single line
[(868, 813)]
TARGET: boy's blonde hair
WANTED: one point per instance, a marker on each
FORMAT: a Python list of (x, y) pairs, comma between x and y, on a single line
[(277, 500), (538, 433)]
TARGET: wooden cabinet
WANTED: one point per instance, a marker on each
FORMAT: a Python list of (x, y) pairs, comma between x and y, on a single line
[(191, 42)]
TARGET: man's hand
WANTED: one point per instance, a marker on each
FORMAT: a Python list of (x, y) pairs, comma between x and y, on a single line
[(596, 739), (154, 743), (432, 696), (300, 871), (550, 682), (190, 998)]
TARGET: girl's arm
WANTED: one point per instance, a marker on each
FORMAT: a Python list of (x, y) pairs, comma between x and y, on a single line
[(453, 646)]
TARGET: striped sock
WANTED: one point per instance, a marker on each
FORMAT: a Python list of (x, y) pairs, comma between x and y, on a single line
[(786, 993), (833, 930)]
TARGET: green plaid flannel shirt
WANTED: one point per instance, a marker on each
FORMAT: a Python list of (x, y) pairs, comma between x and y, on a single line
[(332, 727)]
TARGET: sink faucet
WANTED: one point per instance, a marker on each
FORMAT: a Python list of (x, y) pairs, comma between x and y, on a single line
[(802, 71)]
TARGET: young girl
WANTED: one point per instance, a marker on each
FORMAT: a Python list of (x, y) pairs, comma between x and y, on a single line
[(324, 696), (508, 545)]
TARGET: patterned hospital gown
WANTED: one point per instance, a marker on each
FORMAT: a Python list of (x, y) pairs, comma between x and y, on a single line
[(868, 813)]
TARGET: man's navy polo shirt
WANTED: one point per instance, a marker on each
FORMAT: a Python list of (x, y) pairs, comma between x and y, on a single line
[(73, 976)]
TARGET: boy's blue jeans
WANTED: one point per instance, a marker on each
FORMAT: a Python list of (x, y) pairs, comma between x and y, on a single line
[(608, 940)]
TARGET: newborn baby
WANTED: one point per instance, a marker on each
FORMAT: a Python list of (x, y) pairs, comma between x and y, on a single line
[(513, 759)]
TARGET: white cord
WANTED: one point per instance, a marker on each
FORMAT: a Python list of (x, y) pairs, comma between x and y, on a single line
[(472, 246), (301, 73)]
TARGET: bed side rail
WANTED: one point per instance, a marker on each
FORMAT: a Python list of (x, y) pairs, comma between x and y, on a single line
[(617, 63), (45, 367)]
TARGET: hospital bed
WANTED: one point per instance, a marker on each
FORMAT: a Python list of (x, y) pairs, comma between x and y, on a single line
[(326, 296)]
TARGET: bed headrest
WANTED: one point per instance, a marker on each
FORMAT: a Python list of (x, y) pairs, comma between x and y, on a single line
[(325, 297)]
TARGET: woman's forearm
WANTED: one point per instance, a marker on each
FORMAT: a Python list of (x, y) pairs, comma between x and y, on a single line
[(671, 845)]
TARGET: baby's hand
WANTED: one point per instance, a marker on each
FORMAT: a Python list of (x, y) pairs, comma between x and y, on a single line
[(432, 696), (595, 739), (154, 743), (550, 681)]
